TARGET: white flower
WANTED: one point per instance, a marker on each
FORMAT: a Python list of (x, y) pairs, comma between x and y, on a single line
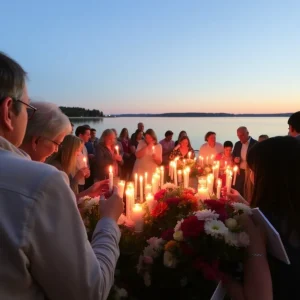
[(169, 260), (242, 207), (149, 251), (231, 223), (122, 293), (231, 238), (178, 225), (243, 238), (169, 186), (206, 214), (147, 279), (178, 236), (155, 242), (215, 228)]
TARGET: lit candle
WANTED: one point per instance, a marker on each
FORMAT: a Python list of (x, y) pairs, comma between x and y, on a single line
[(171, 174), (162, 175), (179, 176), (228, 181), (111, 178), (186, 177), (225, 164), (146, 178), (212, 159), (135, 184), (117, 149), (121, 187), (137, 216), (150, 202), (175, 172), (148, 189), (235, 169), (207, 160), (219, 185), (155, 183), (202, 182), (203, 193), (184, 162), (210, 183), (141, 190), (129, 201), (189, 154), (84, 162)]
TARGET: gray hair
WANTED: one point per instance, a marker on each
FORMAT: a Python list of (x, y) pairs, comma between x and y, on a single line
[(48, 121), (12, 80)]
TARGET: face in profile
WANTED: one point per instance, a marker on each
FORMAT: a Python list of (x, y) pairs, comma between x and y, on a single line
[(86, 136)]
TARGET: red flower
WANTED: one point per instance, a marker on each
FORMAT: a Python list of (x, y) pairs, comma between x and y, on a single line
[(192, 227), (210, 271), (219, 207), (159, 209), (160, 195), (174, 201), (167, 235)]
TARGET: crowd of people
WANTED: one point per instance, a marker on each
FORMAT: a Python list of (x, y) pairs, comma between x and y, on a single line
[(45, 170)]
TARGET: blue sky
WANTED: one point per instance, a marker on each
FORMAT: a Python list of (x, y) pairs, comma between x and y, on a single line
[(158, 56)]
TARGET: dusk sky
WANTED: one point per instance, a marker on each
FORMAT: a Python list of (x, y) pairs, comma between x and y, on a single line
[(158, 56)]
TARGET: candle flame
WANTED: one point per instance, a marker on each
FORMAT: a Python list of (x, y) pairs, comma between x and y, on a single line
[(141, 178), (84, 159), (137, 207), (219, 182), (110, 169), (235, 168)]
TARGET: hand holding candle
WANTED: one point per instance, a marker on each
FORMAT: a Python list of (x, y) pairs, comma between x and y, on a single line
[(117, 150), (111, 178), (84, 162), (235, 169)]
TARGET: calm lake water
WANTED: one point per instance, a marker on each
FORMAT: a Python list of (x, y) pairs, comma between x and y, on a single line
[(195, 127)]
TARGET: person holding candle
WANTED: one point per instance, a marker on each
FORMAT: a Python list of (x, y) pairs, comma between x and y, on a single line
[(106, 155), (148, 154), (45, 253), (275, 172), (211, 148), (128, 162), (183, 150)]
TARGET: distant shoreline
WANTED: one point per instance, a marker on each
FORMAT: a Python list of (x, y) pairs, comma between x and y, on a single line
[(188, 115)]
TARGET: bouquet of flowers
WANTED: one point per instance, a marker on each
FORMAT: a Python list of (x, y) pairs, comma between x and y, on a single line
[(89, 210), (210, 242), (198, 170), (183, 163)]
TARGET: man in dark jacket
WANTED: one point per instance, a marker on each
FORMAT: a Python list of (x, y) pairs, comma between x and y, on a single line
[(239, 153)]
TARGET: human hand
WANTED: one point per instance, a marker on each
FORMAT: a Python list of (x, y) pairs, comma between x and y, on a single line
[(112, 207), (177, 147), (98, 188), (87, 173), (234, 195), (80, 174), (118, 157)]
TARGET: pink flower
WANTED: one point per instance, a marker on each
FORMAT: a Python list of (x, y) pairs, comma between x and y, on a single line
[(148, 260)]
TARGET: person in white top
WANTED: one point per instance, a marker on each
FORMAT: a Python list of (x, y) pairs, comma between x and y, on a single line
[(148, 155), (211, 147)]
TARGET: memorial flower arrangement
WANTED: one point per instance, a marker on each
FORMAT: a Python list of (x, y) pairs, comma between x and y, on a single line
[(209, 241), (197, 170), (184, 163)]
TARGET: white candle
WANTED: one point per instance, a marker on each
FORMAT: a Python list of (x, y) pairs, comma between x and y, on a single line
[(129, 201), (135, 184), (150, 202), (121, 187), (201, 161), (111, 178), (212, 159), (84, 162), (155, 183), (141, 190), (162, 176), (207, 160), (210, 183), (186, 177), (171, 174), (217, 169), (138, 217), (146, 178), (203, 193), (148, 189), (117, 149), (228, 181), (219, 185), (179, 176), (235, 169), (175, 172), (189, 154), (202, 182)]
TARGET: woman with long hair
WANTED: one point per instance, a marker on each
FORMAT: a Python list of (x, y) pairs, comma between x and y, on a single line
[(148, 154), (128, 165), (275, 171), (183, 149), (180, 135), (65, 160)]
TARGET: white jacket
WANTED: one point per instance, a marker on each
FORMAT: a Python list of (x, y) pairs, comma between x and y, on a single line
[(44, 251)]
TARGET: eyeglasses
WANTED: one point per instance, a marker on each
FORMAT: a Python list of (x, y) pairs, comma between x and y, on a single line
[(30, 109), (55, 143)]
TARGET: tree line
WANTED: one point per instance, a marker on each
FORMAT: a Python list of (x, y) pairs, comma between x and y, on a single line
[(81, 112)]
